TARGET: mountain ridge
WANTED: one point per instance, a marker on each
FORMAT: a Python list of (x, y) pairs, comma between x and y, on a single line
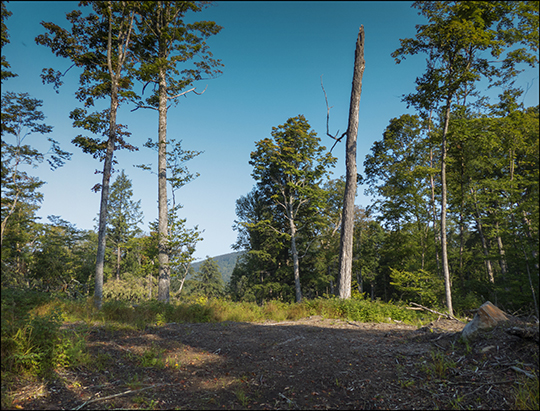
[(226, 263)]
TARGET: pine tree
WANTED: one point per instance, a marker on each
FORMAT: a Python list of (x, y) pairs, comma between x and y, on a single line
[(124, 215)]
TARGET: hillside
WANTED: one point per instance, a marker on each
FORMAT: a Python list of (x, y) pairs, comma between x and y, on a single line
[(226, 264)]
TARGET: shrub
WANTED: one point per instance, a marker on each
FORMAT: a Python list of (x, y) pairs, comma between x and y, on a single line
[(27, 340)]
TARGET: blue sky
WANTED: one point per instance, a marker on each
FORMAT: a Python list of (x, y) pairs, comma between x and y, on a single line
[(274, 54)]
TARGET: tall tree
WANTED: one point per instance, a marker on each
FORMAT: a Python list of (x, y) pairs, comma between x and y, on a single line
[(457, 38), (21, 118), (289, 169), (165, 40), (99, 44), (181, 241), (347, 225), (124, 216)]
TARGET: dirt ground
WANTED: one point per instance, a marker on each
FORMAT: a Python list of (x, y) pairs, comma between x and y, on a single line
[(313, 363)]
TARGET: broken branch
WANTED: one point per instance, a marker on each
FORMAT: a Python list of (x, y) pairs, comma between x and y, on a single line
[(117, 395), (451, 317), (328, 120)]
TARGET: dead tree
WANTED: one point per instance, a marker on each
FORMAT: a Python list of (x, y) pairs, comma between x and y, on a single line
[(347, 222), (347, 225)]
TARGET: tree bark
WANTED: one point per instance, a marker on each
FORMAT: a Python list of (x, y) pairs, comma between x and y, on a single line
[(347, 227), (102, 231), (163, 257), (489, 267), (445, 267), (296, 264)]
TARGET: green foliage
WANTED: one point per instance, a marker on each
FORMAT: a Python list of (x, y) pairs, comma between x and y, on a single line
[(123, 217), (130, 288), (21, 118), (364, 311), (421, 286), (168, 41), (470, 301), (32, 342), (86, 45), (207, 280), (63, 260), (284, 210), (153, 358), (5, 74)]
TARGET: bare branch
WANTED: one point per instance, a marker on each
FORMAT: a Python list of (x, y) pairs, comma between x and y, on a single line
[(338, 140), (138, 107), (187, 91), (328, 120), (327, 111)]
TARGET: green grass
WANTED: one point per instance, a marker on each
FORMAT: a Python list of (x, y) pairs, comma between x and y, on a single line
[(527, 394)]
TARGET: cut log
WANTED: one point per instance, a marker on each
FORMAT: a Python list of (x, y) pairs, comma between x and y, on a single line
[(487, 316)]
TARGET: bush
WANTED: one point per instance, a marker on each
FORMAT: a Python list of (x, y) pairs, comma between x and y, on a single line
[(129, 288), (29, 340)]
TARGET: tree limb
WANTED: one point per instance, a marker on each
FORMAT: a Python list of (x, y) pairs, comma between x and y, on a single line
[(187, 91), (451, 317), (328, 120), (116, 395)]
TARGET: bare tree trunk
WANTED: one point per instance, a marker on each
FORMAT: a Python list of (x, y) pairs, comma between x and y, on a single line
[(150, 285), (294, 251), (183, 280), (502, 261), (163, 257), (118, 250), (489, 267), (347, 227), (102, 230), (434, 211), (445, 267)]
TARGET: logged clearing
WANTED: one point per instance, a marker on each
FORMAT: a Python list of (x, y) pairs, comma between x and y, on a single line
[(313, 363)]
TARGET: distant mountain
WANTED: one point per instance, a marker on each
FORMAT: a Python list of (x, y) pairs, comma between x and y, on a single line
[(226, 264)]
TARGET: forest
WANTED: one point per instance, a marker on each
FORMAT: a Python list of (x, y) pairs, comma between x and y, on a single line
[(489, 150), (453, 220)]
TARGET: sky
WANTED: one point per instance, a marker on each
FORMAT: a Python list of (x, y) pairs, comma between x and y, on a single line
[(274, 54)]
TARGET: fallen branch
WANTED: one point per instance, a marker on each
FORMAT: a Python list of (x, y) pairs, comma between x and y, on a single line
[(291, 339), (450, 317), (528, 374), (116, 395), (290, 402)]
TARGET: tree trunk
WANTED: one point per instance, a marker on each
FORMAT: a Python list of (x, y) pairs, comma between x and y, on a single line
[(434, 211), (347, 226), (296, 264), (502, 261), (360, 281), (118, 262), (445, 267), (489, 267), (163, 257), (107, 166)]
